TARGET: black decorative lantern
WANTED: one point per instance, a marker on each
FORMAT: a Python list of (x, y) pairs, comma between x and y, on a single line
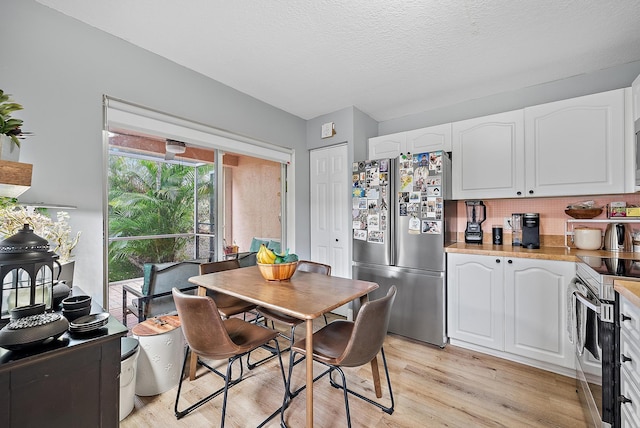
[(26, 271)]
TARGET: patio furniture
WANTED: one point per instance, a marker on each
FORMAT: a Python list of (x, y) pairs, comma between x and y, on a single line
[(155, 296)]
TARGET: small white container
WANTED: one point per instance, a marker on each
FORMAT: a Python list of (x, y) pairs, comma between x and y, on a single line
[(587, 238)]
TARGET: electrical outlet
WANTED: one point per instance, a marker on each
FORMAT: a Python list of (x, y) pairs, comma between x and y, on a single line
[(507, 223)]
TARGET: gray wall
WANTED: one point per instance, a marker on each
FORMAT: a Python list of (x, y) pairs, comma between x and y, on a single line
[(59, 69), (584, 84)]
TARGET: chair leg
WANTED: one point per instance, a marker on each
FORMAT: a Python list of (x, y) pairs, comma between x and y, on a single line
[(124, 306), (385, 409), (251, 365), (346, 395), (229, 382)]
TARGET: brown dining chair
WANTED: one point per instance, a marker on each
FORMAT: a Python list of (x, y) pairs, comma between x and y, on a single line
[(209, 336), (289, 321), (350, 344), (228, 306)]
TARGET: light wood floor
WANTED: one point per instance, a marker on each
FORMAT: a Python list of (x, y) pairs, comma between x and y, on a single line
[(433, 387)]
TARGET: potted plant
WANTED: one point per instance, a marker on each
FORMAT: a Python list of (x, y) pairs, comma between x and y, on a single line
[(10, 128), (13, 217)]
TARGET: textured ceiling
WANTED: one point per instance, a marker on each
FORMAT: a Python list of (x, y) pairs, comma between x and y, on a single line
[(388, 58)]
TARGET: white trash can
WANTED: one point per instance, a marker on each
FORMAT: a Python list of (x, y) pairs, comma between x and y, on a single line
[(129, 351), (161, 354)]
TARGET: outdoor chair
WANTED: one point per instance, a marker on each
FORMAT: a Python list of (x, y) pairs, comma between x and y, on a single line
[(350, 344), (155, 296), (211, 337)]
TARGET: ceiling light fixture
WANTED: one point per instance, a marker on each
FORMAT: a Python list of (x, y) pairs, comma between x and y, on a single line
[(176, 147)]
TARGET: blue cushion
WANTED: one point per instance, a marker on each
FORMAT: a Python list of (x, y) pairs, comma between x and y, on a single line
[(255, 245), (274, 246)]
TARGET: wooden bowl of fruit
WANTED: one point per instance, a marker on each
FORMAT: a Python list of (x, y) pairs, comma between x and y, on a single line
[(277, 271)]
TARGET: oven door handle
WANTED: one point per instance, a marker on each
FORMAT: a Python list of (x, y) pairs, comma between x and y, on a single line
[(583, 299)]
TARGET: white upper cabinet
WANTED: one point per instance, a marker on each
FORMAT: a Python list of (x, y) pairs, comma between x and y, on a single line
[(429, 139), (565, 148), (415, 141), (575, 146), (488, 156), (388, 146)]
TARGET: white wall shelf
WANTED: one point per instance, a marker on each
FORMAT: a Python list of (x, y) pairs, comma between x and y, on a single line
[(569, 224)]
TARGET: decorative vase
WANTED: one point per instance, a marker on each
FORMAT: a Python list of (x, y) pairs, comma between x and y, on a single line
[(9, 151), (66, 273)]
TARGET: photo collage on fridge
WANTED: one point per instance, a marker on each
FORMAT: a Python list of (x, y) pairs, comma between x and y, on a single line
[(419, 195)]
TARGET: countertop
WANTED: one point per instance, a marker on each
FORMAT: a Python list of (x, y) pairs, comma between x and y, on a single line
[(629, 289), (66, 342), (543, 253)]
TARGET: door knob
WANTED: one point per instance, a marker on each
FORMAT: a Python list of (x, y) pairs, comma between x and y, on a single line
[(624, 358)]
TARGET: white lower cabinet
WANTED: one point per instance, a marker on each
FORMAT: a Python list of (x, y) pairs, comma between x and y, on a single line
[(513, 305), (629, 363)]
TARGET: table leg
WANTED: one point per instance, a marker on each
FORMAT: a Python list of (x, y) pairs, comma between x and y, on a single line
[(193, 362), (309, 361)]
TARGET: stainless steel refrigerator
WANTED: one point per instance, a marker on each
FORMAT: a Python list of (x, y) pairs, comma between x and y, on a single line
[(402, 219)]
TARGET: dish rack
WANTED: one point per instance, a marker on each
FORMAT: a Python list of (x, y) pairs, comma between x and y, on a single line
[(569, 225)]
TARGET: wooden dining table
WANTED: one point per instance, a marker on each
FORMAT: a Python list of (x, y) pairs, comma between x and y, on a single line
[(305, 296)]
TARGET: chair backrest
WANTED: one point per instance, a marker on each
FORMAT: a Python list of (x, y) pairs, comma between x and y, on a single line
[(211, 267), (203, 327), (315, 267), (369, 331), (222, 300), (160, 278)]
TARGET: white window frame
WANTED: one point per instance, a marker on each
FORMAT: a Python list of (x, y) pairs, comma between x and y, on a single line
[(125, 115)]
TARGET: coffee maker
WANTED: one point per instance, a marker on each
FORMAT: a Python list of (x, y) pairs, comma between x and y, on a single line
[(476, 214), (531, 230)]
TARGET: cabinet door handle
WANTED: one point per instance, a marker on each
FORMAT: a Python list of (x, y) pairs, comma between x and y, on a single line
[(509, 261), (519, 193), (624, 358), (531, 192), (625, 318), (497, 260), (622, 399)]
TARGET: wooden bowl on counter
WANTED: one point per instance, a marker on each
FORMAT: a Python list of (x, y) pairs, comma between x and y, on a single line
[(583, 213), (277, 272)]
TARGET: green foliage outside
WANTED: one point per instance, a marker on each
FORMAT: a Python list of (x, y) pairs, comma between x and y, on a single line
[(151, 198)]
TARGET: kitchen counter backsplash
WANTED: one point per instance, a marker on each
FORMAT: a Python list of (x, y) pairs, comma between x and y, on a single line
[(552, 215)]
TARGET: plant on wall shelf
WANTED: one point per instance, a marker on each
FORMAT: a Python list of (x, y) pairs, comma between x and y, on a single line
[(13, 217), (10, 126)]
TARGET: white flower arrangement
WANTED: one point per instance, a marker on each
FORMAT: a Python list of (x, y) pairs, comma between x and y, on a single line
[(58, 233)]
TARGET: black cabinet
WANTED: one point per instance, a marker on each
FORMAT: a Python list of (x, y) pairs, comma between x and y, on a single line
[(71, 382)]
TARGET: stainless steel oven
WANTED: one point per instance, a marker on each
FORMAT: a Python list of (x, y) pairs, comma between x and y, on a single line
[(595, 339)]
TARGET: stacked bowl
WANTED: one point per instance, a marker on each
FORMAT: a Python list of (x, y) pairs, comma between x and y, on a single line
[(76, 306)]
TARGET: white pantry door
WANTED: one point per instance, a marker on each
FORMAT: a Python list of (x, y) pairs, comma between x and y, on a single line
[(330, 215)]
